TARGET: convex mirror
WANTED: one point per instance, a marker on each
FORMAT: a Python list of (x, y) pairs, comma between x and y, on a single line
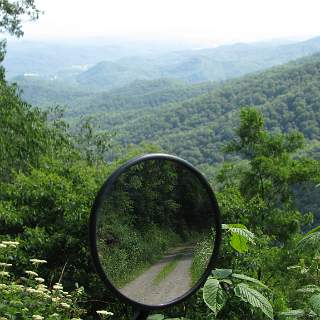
[(155, 231)]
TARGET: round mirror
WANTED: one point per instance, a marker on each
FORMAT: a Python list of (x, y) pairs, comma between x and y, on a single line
[(155, 230)]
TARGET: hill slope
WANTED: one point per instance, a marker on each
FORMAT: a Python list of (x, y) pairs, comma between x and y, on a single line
[(194, 66), (289, 97)]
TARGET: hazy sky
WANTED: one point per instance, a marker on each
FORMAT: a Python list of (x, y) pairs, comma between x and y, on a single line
[(201, 21)]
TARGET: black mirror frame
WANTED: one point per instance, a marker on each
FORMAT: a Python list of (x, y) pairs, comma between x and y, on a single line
[(93, 227)]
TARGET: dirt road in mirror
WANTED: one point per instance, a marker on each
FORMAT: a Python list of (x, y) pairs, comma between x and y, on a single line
[(164, 281)]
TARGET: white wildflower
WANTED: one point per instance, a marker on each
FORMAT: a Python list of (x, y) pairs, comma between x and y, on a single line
[(37, 261), (58, 286), (55, 299), (4, 273), (37, 317), (31, 290), (10, 243), (42, 287), (39, 279), (104, 312), (42, 290), (65, 305), (31, 273), (3, 264)]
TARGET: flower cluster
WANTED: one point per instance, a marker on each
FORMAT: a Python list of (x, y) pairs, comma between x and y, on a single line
[(29, 297)]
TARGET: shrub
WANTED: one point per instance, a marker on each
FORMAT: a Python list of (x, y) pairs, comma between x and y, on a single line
[(29, 297)]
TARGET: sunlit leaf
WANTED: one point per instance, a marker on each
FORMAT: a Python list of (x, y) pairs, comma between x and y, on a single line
[(246, 278), (213, 295), (293, 314), (315, 303), (254, 298)]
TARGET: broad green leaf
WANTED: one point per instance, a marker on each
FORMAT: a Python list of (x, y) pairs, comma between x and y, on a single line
[(246, 278), (243, 232), (221, 273), (240, 236), (213, 295), (239, 243), (255, 298), (293, 314), (309, 289), (310, 241), (233, 225), (316, 229), (315, 303), (294, 267)]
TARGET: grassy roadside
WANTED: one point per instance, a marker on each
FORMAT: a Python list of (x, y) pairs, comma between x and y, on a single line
[(203, 251), (167, 269)]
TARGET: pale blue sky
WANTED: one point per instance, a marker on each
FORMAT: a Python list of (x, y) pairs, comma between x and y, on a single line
[(199, 21)]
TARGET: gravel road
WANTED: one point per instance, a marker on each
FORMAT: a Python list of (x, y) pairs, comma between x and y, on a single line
[(144, 290)]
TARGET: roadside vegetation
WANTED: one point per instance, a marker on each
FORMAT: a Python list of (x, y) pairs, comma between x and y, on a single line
[(267, 185)]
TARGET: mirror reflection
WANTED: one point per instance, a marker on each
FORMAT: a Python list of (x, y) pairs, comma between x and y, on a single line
[(155, 231)]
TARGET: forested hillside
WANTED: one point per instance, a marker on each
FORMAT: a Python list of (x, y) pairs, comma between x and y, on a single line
[(86, 101), (192, 120), (197, 128)]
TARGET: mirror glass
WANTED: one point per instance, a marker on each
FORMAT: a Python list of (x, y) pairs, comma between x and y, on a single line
[(155, 231)]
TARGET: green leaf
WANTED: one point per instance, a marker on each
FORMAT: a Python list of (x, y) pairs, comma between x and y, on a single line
[(243, 232), (246, 278), (293, 314), (240, 236), (221, 273), (309, 289), (316, 229), (255, 298), (239, 243), (310, 241), (213, 295), (315, 303)]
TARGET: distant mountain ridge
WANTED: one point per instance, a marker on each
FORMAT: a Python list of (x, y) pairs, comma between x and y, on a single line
[(193, 66), (103, 67)]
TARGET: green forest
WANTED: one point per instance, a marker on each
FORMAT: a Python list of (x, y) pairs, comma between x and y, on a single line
[(256, 139)]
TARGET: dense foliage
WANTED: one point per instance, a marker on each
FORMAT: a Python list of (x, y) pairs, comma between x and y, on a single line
[(161, 111), (196, 129), (267, 189)]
